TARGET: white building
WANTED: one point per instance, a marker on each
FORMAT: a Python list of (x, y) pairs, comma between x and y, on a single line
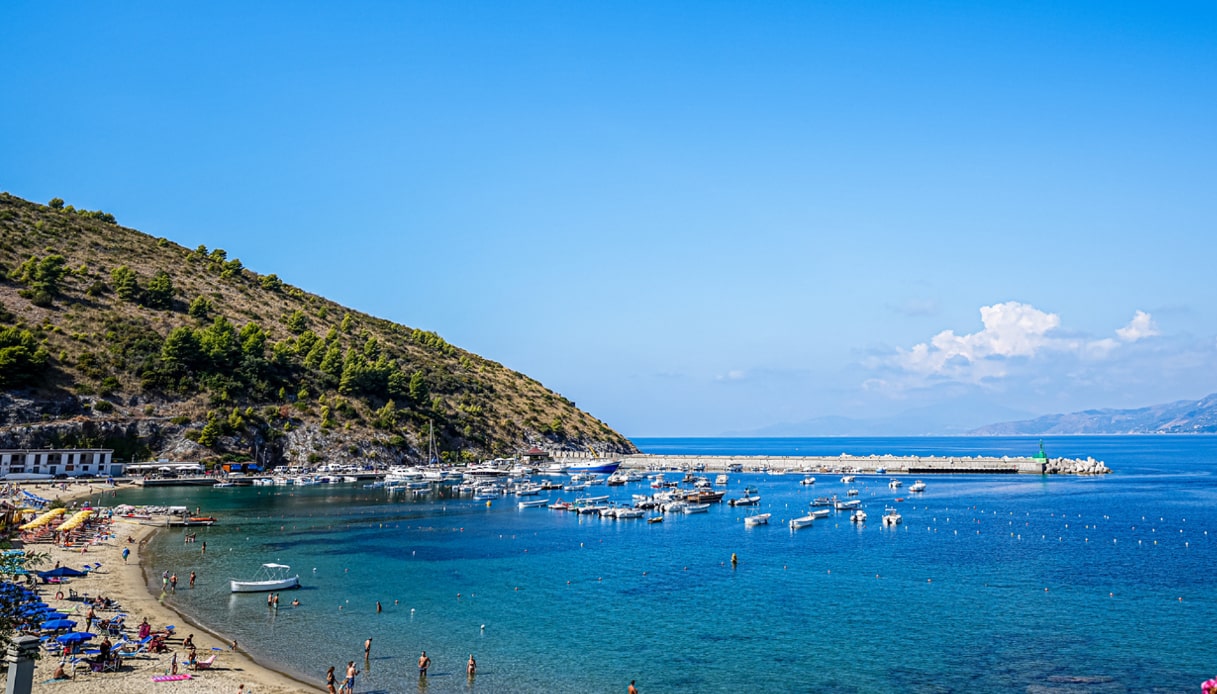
[(46, 463)]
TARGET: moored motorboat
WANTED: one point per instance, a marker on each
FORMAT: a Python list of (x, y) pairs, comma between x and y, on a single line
[(802, 522), (808, 480), (895, 484), (749, 498), (696, 508), (758, 519), (269, 577), (858, 516), (851, 504), (892, 517), (598, 467), (534, 503), (917, 486)]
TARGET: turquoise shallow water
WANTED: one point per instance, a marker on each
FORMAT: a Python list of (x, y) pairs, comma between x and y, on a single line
[(1045, 584)]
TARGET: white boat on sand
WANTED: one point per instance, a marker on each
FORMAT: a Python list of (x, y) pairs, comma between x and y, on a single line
[(269, 577)]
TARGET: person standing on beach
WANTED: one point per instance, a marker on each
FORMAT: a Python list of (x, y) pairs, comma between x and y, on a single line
[(126, 553), (424, 662), (173, 582), (329, 681), (348, 685), (89, 617)]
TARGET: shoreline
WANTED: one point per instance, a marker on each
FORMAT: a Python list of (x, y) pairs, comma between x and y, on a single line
[(128, 585)]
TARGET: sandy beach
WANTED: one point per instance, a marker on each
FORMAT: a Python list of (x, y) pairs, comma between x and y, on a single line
[(125, 584)]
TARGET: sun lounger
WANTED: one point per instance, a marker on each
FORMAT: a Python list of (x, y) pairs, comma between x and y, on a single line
[(205, 664)]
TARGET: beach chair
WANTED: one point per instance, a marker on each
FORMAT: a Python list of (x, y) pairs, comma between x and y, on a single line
[(205, 664), (131, 648)]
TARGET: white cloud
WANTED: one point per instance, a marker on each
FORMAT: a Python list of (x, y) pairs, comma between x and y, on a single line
[(1013, 332), (1140, 327), (733, 375)]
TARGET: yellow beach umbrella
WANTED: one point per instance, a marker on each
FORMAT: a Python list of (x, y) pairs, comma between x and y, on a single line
[(75, 521), (44, 519)]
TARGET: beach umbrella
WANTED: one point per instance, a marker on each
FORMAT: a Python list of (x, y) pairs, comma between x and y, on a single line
[(57, 624), (55, 615), (61, 572), (74, 637)]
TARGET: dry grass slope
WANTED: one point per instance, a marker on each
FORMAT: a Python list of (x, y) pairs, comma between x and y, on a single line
[(109, 336)]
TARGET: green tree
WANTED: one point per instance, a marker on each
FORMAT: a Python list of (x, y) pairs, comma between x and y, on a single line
[(297, 322), (22, 359), (212, 431), (271, 282), (43, 277), (220, 345), (418, 387), (159, 292), (331, 364), (200, 308), (56, 203), (126, 283)]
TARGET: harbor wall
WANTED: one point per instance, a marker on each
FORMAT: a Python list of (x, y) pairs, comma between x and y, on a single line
[(891, 464)]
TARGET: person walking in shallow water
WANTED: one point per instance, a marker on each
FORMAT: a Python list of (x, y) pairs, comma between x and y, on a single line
[(472, 668), (367, 648), (424, 662), (632, 689)]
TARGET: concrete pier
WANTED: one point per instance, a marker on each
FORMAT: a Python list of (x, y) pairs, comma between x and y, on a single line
[(890, 464)]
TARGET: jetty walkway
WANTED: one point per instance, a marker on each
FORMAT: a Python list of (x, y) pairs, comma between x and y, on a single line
[(872, 464)]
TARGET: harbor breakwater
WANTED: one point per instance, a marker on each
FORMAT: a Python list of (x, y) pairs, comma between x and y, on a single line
[(871, 464)]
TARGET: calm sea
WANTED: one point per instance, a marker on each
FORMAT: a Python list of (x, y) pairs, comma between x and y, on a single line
[(992, 583)]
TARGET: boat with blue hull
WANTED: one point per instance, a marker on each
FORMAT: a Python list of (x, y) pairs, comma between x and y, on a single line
[(599, 468)]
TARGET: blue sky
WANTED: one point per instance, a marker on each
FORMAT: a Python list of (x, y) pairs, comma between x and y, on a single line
[(688, 217)]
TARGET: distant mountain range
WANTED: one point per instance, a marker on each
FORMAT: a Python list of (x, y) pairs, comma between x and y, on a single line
[(1180, 417)]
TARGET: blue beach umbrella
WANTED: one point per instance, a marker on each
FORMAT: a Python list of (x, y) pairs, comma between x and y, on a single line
[(61, 572), (57, 624), (55, 615), (74, 637)]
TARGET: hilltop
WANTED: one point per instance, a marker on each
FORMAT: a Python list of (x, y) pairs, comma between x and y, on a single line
[(111, 337)]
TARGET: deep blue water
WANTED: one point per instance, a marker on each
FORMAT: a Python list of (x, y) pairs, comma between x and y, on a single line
[(1005, 582)]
